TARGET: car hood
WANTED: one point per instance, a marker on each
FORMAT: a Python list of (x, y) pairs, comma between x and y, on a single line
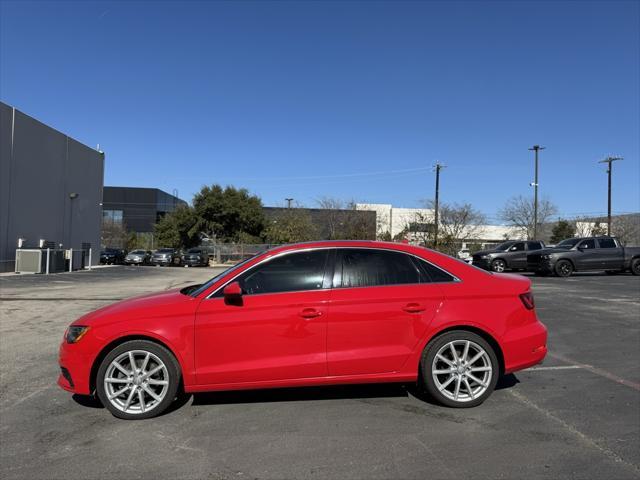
[(154, 304)]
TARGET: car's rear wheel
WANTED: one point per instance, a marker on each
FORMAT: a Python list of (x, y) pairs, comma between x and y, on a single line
[(564, 268), (460, 369), (635, 266), (138, 379), (498, 265)]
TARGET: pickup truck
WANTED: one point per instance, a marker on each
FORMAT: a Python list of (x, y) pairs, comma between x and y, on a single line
[(510, 255), (583, 254)]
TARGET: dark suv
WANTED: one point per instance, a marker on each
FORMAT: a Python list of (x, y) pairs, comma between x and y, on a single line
[(194, 257), (112, 256), (510, 255)]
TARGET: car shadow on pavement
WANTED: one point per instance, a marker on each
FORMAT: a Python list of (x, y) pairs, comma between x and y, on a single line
[(298, 394), (334, 392)]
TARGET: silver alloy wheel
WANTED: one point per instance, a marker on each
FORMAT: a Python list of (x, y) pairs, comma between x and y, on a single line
[(498, 266), (462, 370), (136, 381)]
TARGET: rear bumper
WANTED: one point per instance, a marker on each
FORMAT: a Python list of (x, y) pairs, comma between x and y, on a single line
[(75, 369), (525, 346), (162, 261)]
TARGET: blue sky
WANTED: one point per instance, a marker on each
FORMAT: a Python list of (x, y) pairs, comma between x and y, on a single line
[(354, 100)]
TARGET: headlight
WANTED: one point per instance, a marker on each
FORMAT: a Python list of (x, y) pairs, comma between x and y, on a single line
[(545, 257), (75, 333)]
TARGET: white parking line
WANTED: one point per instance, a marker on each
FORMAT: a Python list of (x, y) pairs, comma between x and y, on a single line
[(561, 367)]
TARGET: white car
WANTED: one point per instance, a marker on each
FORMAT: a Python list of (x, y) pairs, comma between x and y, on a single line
[(465, 255)]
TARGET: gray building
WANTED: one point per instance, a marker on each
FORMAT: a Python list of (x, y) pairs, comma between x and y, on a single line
[(50, 187), (137, 209)]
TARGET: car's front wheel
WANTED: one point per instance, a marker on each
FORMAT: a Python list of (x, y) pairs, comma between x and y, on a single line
[(498, 265), (635, 266), (138, 379), (460, 369), (564, 268)]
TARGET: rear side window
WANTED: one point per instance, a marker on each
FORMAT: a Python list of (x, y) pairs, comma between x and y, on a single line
[(289, 273), (535, 246), (370, 268), (607, 243), (433, 273)]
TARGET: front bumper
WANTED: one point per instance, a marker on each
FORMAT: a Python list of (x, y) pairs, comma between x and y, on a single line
[(75, 365), (131, 261), (484, 263), (192, 261), (162, 261)]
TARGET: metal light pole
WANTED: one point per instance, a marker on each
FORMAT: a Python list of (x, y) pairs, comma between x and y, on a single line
[(289, 200), (438, 166), (609, 160), (536, 149)]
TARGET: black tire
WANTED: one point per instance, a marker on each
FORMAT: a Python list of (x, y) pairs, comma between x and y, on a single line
[(498, 265), (563, 268), (635, 266), (427, 362), (167, 358)]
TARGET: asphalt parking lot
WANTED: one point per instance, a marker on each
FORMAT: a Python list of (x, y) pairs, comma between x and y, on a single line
[(575, 416)]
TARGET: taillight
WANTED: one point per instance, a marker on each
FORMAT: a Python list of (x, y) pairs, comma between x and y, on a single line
[(527, 300)]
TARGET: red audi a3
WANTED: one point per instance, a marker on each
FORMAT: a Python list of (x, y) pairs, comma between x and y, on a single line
[(316, 313)]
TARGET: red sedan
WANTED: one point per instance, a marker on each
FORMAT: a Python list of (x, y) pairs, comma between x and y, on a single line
[(310, 314)]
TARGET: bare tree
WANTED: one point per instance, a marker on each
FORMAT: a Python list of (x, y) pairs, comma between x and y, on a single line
[(626, 228), (519, 212), (342, 221), (456, 222)]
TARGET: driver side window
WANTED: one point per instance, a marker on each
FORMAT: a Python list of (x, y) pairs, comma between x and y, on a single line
[(292, 272), (518, 247), (588, 244)]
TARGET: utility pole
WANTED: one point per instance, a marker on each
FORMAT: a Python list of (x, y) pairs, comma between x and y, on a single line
[(438, 166), (289, 200), (536, 149), (609, 160)]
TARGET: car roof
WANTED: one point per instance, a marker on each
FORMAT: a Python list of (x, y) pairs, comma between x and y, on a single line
[(404, 247)]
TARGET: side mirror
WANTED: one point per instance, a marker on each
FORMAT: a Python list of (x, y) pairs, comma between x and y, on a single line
[(233, 294)]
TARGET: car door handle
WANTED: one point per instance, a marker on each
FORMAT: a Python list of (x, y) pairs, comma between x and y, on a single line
[(309, 313), (413, 308)]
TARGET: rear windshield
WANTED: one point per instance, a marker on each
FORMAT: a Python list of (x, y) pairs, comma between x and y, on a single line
[(194, 250), (138, 252)]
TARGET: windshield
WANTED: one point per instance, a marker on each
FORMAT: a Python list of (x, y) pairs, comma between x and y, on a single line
[(207, 284), (165, 250), (194, 250), (137, 252), (569, 243), (504, 246)]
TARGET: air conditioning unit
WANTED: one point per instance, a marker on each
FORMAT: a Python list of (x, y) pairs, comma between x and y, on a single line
[(30, 261)]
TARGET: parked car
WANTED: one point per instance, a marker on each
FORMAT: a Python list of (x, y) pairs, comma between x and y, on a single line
[(318, 313), (465, 255), (165, 256), (138, 257), (194, 257), (112, 256), (510, 255), (582, 254)]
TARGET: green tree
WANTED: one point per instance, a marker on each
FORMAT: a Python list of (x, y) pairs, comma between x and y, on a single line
[(178, 229), (228, 214), (290, 225), (561, 230)]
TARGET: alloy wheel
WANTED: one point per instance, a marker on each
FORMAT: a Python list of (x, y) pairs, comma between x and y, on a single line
[(462, 370), (136, 382)]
